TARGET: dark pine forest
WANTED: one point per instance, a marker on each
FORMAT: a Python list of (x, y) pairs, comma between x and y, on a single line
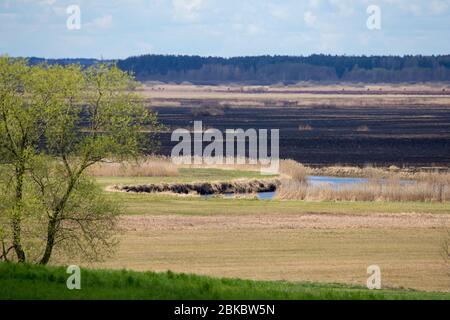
[(280, 69)]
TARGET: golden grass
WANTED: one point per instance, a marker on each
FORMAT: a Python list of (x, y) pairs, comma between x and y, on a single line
[(296, 171), (409, 258), (355, 172), (242, 103), (433, 178), (441, 175), (384, 184), (233, 163), (296, 96), (147, 167), (374, 190)]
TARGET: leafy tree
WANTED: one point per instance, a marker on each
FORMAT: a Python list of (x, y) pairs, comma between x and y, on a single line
[(56, 122), (111, 122), (26, 98), (83, 225)]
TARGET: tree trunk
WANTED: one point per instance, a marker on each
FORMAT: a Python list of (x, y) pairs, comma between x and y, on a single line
[(51, 232), (17, 214), (52, 223)]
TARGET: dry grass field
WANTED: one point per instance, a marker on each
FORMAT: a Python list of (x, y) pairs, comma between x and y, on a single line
[(319, 241), (409, 256), (301, 95)]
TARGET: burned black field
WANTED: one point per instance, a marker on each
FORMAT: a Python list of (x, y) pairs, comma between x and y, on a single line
[(403, 136)]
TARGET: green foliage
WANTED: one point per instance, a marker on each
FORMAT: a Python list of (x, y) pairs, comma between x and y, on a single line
[(55, 122), (37, 282), (86, 225)]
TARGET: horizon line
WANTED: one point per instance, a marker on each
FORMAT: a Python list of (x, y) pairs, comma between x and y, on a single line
[(233, 57)]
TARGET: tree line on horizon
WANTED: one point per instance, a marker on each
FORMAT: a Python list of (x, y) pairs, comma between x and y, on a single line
[(280, 69)]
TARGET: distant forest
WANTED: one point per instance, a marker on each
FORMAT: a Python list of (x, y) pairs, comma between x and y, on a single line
[(282, 69)]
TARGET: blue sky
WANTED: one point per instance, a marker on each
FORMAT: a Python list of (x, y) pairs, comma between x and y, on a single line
[(117, 29)]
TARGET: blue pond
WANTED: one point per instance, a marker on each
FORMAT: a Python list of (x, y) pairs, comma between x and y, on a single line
[(334, 181), (266, 195), (331, 182), (260, 195), (314, 181)]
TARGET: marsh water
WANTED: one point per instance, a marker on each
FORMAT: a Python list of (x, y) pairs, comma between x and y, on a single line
[(325, 182), (332, 182)]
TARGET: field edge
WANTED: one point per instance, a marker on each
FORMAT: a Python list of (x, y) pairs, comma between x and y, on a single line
[(31, 282)]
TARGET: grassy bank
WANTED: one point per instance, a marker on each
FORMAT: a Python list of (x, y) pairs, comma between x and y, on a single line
[(37, 282), (160, 204), (156, 204)]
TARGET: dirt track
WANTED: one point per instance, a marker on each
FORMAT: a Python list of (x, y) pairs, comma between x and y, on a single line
[(302, 221)]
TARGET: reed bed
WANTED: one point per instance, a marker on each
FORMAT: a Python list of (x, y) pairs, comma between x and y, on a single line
[(392, 172), (153, 166), (296, 171), (356, 172), (231, 163), (374, 190), (384, 184), (287, 167)]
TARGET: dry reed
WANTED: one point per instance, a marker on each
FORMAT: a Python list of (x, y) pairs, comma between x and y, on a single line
[(374, 190), (390, 184), (296, 171), (153, 166), (226, 163)]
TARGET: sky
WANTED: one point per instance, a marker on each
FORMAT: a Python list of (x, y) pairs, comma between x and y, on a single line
[(113, 29)]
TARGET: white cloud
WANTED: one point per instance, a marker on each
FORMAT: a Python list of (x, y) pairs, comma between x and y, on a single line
[(415, 9), (47, 2), (277, 11), (104, 22), (314, 3), (186, 9), (60, 11), (330, 43), (439, 6), (254, 29), (9, 3), (250, 29), (39, 2), (344, 8), (309, 18), (8, 16)]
